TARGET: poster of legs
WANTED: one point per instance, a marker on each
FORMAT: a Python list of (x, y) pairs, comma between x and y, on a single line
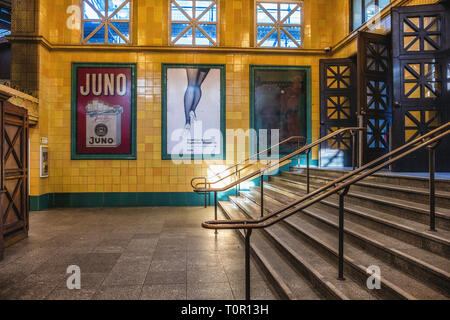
[(279, 104), (193, 120)]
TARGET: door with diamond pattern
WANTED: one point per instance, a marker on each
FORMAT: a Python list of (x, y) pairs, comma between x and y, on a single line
[(337, 110), (421, 80), (374, 93), (14, 198)]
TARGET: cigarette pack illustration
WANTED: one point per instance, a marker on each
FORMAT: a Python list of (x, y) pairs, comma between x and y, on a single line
[(103, 124)]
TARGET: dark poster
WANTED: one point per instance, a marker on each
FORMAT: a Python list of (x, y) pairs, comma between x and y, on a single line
[(280, 103)]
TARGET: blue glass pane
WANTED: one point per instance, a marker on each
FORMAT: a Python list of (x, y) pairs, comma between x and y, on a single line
[(177, 15), (99, 36), (201, 39), (177, 28), (113, 37), (90, 13), (286, 41), (186, 6), (88, 27), (262, 17), (123, 28), (123, 13), (295, 33), (263, 31), (272, 41), (210, 15), (285, 9), (186, 38), (210, 29), (294, 18)]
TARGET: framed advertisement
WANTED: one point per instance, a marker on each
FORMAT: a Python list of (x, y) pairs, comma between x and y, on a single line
[(280, 99), (193, 111), (103, 111), (44, 162)]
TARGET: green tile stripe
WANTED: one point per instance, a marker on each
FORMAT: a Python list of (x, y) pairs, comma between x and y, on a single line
[(120, 199)]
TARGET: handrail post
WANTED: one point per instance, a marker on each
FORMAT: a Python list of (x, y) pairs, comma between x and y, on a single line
[(353, 149), (262, 195), (248, 233), (215, 208), (206, 195), (236, 177), (341, 194), (307, 171), (432, 199), (299, 155)]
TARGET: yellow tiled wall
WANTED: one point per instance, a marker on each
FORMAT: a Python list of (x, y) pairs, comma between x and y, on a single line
[(325, 22)]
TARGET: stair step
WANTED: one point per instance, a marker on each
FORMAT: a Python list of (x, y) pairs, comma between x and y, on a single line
[(306, 259), (401, 208), (403, 229), (431, 266), (289, 283), (382, 177), (370, 186)]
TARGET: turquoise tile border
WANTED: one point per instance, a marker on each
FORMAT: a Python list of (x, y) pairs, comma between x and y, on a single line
[(120, 199)]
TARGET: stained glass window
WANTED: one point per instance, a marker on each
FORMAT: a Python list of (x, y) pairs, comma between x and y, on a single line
[(193, 22), (107, 21), (278, 24)]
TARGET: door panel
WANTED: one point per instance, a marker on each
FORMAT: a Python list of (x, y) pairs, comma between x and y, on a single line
[(14, 199), (420, 47), (374, 93), (2, 243), (337, 110)]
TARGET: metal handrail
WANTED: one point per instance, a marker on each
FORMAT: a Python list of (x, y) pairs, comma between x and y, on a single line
[(341, 187), (260, 172), (206, 182), (306, 148)]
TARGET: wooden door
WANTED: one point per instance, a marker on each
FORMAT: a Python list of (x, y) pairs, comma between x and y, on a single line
[(2, 243), (420, 55), (374, 92), (337, 110), (14, 199)]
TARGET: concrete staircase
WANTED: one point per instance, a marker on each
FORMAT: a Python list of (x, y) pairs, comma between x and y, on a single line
[(386, 225)]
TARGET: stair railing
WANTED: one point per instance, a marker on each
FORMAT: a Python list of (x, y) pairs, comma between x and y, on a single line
[(276, 164), (237, 171), (340, 186)]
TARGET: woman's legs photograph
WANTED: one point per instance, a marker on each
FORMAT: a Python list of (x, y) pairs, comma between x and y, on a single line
[(193, 93)]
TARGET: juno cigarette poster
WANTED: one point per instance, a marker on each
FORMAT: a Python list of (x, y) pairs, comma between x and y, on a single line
[(103, 111)]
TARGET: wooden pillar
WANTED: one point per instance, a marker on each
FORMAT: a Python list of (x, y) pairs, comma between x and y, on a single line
[(2, 242)]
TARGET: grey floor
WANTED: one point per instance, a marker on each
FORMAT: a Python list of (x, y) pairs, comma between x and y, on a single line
[(127, 253)]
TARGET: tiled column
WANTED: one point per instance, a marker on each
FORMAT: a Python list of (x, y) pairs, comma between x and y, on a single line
[(24, 49)]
